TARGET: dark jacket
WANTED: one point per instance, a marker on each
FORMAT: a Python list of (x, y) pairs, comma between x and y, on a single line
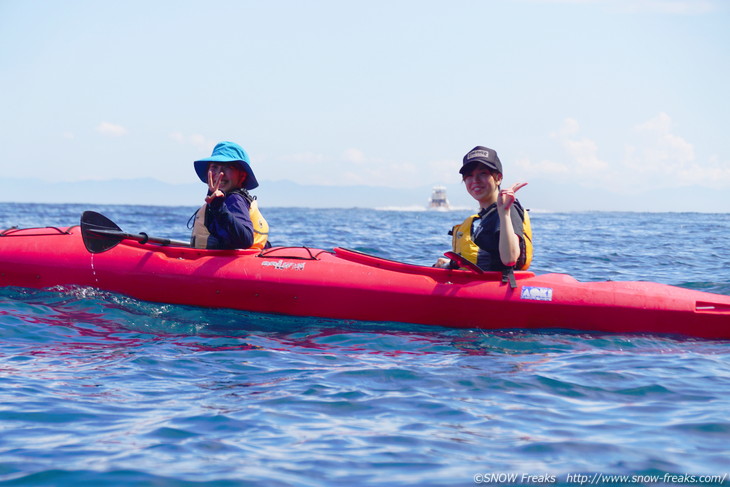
[(485, 234), (229, 223)]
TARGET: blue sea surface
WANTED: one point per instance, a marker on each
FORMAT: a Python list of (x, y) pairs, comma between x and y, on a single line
[(100, 389)]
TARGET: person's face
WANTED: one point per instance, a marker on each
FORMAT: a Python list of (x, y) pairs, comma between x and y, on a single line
[(482, 184), (233, 176)]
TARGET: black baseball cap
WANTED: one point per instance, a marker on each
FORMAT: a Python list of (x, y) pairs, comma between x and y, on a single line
[(482, 154)]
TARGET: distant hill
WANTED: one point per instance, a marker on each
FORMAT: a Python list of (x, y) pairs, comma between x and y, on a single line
[(539, 196), (270, 193)]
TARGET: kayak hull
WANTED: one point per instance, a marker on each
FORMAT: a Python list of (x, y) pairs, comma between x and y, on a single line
[(344, 284)]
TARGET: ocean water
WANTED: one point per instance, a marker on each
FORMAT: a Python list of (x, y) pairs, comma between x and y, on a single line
[(101, 389)]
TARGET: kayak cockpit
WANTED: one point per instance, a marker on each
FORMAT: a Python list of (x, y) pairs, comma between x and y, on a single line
[(382, 263)]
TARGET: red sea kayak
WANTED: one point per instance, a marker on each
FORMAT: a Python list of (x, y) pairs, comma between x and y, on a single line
[(345, 284)]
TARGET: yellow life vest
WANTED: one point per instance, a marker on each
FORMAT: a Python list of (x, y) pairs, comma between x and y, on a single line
[(199, 238), (462, 243), (527, 234)]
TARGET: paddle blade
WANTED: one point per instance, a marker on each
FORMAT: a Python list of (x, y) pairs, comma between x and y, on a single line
[(98, 232)]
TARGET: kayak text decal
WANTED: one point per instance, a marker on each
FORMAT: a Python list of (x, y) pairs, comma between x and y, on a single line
[(537, 293), (280, 265)]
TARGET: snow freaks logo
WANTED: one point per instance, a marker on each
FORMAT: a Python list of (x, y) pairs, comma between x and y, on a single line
[(598, 479), (537, 293)]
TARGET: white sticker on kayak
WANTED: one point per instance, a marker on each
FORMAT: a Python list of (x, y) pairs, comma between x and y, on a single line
[(537, 293), (280, 264)]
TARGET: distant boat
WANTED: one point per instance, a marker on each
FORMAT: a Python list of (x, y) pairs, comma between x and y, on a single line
[(438, 199)]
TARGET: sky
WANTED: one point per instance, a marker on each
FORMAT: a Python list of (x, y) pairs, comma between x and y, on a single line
[(596, 101)]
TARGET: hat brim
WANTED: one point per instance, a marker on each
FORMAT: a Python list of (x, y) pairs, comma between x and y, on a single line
[(201, 168), (470, 166)]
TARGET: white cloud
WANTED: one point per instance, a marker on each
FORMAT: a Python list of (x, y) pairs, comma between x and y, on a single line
[(570, 127), (200, 142), (355, 156), (582, 152), (658, 150), (585, 154), (661, 158), (654, 157), (660, 123), (110, 129)]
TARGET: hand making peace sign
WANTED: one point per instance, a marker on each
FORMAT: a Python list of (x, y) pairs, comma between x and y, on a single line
[(507, 196), (213, 185)]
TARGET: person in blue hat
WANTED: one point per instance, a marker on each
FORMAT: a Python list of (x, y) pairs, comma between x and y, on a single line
[(230, 217)]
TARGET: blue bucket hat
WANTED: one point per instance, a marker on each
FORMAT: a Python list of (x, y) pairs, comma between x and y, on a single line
[(229, 152)]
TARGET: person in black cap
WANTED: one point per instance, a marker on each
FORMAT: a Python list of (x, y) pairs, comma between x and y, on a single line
[(498, 238), (230, 218)]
